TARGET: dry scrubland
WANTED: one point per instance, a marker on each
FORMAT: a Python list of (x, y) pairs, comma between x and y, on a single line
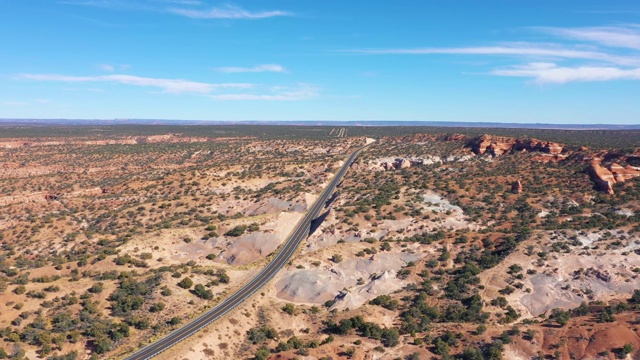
[(436, 246)]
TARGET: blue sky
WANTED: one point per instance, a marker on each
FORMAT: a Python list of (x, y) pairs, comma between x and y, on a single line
[(543, 61)]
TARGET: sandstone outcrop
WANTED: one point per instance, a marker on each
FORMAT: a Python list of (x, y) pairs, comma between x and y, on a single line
[(516, 187), (497, 146), (402, 164), (393, 163), (604, 178), (601, 176), (455, 137), (622, 174)]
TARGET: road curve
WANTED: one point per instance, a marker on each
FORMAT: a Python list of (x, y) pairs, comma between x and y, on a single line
[(283, 256)]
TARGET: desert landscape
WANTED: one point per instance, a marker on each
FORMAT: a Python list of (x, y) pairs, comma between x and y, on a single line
[(319, 180), (435, 245)]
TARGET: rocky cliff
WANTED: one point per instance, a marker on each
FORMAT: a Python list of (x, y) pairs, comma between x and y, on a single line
[(605, 177), (604, 168), (497, 146)]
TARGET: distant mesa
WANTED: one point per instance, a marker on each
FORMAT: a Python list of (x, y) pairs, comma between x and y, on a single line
[(125, 140)]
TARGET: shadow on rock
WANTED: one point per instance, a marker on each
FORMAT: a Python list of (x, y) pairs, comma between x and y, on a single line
[(331, 199), (315, 223)]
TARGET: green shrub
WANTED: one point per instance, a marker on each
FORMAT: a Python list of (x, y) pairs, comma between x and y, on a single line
[(236, 231), (186, 283)]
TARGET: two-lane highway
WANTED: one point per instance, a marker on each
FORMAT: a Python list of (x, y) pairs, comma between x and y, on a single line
[(283, 256)]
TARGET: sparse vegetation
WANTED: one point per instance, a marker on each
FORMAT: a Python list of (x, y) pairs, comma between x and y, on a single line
[(106, 263)]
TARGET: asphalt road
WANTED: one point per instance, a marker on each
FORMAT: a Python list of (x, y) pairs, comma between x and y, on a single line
[(301, 232)]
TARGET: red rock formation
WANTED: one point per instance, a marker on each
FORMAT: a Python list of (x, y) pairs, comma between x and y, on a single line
[(480, 145), (497, 146), (516, 187), (455, 137), (605, 177), (622, 174)]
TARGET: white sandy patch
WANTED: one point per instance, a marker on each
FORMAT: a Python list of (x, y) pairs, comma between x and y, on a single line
[(316, 286)]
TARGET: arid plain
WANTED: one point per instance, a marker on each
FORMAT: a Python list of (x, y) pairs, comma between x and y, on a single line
[(439, 243)]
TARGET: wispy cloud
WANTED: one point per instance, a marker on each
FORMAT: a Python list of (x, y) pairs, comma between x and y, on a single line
[(256, 69), (613, 36), (174, 86), (109, 4), (12, 103), (189, 8), (512, 49), (228, 12), (26, 103), (184, 2), (549, 73), (598, 53), (107, 67), (130, 4), (301, 92), (112, 68)]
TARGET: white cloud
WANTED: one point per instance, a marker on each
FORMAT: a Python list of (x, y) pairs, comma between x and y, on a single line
[(112, 68), (228, 12), (256, 69), (98, 3), (130, 4), (516, 49), (185, 2), (302, 92), (549, 73), (107, 67), (26, 103), (13, 103), (613, 36), (174, 86), (188, 8), (586, 54)]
